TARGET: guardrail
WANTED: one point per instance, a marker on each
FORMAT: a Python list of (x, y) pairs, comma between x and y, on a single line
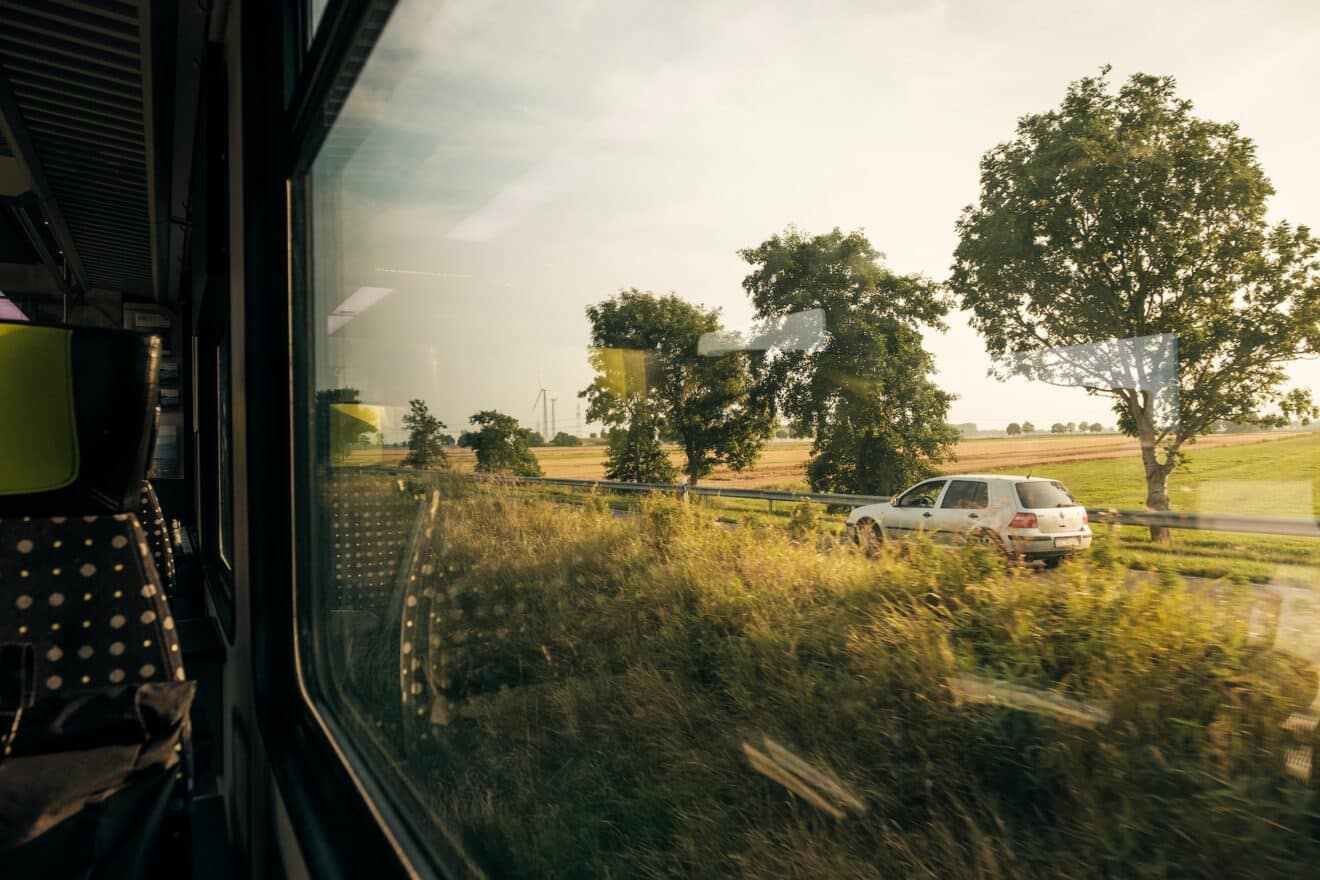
[(706, 491), (1213, 522)]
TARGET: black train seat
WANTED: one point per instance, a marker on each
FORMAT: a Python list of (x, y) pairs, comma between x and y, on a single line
[(93, 694)]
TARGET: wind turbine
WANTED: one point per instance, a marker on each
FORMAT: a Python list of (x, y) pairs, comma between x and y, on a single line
[(554, 420), (542, 397)]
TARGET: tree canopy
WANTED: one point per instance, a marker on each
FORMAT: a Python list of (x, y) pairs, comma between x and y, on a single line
[(645, 351), (502, 445), (863, 390), (425, 447), (1120, 243), (566, 439)]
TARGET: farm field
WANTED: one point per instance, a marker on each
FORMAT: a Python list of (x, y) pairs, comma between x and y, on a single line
[(782, 462)]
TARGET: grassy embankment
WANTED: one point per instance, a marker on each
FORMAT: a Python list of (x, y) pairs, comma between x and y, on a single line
[(610, 673)]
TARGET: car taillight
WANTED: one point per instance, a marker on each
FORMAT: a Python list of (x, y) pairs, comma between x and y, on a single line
[(1086, 519), (1023, 521)]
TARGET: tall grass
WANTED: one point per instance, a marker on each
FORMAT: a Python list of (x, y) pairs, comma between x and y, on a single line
[(606, 673)]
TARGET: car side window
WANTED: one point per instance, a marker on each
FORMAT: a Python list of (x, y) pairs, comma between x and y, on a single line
[(921, 495), (967, 495)]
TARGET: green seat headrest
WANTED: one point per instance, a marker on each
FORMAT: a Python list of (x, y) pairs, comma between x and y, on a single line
[(39, 431)]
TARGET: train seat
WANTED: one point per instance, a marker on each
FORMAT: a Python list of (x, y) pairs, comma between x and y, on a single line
[(94, 698)]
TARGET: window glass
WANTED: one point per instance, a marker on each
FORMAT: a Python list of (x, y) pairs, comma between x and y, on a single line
[(617, 310), (1043, 493), (963, 494), (923, 495)]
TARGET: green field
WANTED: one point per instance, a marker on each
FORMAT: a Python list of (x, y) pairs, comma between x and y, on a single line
[(655, 696), (1271, 478), (1274, 478)]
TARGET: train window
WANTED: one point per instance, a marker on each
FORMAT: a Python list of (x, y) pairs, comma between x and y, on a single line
[(609, 385)]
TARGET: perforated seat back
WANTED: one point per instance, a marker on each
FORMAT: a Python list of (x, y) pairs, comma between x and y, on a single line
[(154, 525), (371, 519)]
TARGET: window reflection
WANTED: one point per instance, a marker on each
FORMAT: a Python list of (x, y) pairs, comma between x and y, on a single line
[(591, 412)]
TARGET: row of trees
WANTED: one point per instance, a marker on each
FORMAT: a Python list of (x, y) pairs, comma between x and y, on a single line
[(1119, 244), (1014, 429), (502, 446), (862, 391)]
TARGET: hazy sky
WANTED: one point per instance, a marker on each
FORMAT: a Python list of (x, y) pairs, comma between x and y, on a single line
[(501, 166)]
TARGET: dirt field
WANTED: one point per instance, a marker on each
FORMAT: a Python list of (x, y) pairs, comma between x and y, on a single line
[(782, 462)]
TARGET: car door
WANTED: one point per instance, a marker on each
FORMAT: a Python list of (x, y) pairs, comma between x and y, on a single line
[(914, 510), (961, 509)]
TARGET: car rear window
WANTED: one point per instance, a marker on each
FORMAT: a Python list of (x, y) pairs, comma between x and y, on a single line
[(1035, 494)]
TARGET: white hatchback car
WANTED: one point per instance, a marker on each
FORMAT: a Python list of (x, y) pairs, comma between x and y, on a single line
[(1027, 517)]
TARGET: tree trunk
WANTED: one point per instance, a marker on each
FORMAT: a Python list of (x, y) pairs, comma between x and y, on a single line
[(1157, 488)]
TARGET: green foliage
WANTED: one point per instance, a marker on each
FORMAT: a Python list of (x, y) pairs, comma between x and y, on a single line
[(564, 439), (502, 445), (645, 353), (606, 675), (1122, 214), (1028, 428), (865, 392), (1014, 429), (635, 454), (425, 448)]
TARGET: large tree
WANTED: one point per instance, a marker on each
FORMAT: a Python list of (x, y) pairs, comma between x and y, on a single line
[(1120, 244), (501, 444), (425, 446), (647, 357), (862, 388)]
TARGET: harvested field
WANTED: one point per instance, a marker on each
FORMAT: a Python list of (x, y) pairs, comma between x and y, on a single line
[(783, 460)]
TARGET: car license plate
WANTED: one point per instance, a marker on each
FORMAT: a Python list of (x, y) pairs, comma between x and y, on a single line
[(1072, 541)]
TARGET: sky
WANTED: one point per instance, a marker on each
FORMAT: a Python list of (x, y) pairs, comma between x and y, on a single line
[(501, 166)]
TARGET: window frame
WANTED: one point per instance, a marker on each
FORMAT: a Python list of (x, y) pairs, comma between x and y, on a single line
[(347, 822)]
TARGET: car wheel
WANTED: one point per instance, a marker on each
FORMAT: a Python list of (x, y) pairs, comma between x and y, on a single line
[(1051, 561), (986, 538), (868, 535)]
